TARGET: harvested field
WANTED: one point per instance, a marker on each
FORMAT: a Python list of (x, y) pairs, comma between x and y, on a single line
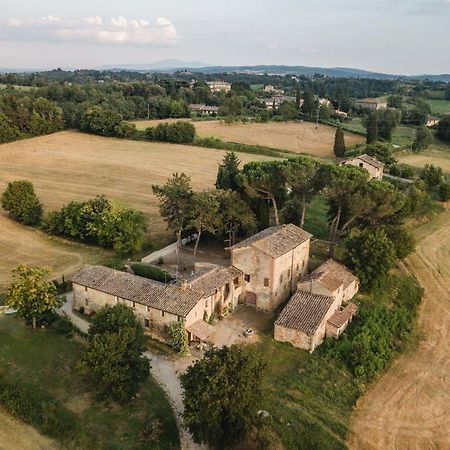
[(75, 166), (20, 244), (435, 157), (19, 436), (409, 407), (300, 137)]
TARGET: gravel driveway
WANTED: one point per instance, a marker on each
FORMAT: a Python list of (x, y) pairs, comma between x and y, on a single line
[(163, 369)]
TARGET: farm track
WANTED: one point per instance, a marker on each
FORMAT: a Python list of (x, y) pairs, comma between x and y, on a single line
[(409, 407)]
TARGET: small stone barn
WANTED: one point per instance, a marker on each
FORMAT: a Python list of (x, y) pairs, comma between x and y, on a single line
[(303, 321), (333, 279), (272, 262), (372, 165)]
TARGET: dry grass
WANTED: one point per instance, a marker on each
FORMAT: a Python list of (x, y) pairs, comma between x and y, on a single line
[(435, 157), (15, 435), (300, 137), (409, 408), (74, 166)]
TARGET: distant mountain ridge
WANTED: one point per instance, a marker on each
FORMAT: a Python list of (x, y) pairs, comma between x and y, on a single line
[(336, 72), (173, 65)]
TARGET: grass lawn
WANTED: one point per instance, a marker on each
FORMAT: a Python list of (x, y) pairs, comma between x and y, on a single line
[(316, 221), (47, 360), (310, 398), (439, 107)]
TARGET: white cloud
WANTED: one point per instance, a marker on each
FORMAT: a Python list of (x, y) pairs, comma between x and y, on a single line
[(119, 22), (93, 20), (118, 30)]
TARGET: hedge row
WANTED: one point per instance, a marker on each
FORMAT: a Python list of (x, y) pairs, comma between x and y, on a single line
[(152, 272)]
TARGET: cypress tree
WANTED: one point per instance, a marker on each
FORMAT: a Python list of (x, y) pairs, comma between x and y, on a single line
[(372, 128), (339, 143)]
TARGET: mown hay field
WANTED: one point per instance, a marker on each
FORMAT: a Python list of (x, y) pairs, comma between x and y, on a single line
[(436, 157), (74, 166), (299, 137)]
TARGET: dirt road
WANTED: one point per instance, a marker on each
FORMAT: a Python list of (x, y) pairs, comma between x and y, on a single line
[(409, 408)]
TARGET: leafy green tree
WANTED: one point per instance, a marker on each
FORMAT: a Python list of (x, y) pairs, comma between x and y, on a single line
[(371, 124), (216, 411), (265, 180), (232, 106), (302, 178), (180, 132), (204, 216), (31, 294), (339, 143), (228, 173), (234, 215), (125, 130), (175, 202), (371, 255), (443, 128), (21, 202), (8, 131), (423, 139), (432, 176), (288, 111), (310, 104), (101, 120), (402, 239), (113, 361), (388, 119), (395, 101), (381, 151)]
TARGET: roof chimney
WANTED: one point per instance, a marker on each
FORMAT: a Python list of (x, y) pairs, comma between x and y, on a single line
[(184, 285)]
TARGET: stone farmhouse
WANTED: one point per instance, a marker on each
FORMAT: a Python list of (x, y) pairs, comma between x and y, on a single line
[(266, 270), (370, 103), (272, 262), (203, 109), (319, 308), (372, 165), (218, 86), (157, 304)]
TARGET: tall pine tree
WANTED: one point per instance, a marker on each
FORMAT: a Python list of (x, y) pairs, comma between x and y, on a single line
[(339, 143), (228, 173)]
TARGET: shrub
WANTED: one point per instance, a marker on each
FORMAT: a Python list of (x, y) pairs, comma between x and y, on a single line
[(99, 222), (179, 337), (152, 272), (21, 202), (125, 130), (180, 132), (152, 433), (444, 192), (63, 326)]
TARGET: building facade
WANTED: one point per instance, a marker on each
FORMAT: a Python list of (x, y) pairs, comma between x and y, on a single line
[(272, 262), (218, 86), (373, 166)]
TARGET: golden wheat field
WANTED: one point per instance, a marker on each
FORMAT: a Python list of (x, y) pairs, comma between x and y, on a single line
[(74, 166), (299, 137)]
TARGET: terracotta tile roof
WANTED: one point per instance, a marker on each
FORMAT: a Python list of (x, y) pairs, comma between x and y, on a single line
[(305, 312), (164, 297), (334, 272), (276, 241), (328, 281), (367, 159), (201, 330), (341, 317), (211, 278)]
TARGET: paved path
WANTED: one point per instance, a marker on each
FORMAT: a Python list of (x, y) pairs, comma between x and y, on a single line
[(163, 369)]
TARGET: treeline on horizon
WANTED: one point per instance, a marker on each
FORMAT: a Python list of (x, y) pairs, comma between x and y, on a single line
[(33, 104)]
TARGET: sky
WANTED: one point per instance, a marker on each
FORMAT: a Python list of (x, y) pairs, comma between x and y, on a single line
[(391, 36)]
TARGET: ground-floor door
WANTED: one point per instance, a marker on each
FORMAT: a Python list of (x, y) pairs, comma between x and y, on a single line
[(250, 298)]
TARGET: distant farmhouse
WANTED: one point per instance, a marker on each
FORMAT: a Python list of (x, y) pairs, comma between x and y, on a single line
[(203, 109), (432, 121), (370, 103), (218, 86), (266, 270), (372, 165), (273, 90), (277, 100)]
